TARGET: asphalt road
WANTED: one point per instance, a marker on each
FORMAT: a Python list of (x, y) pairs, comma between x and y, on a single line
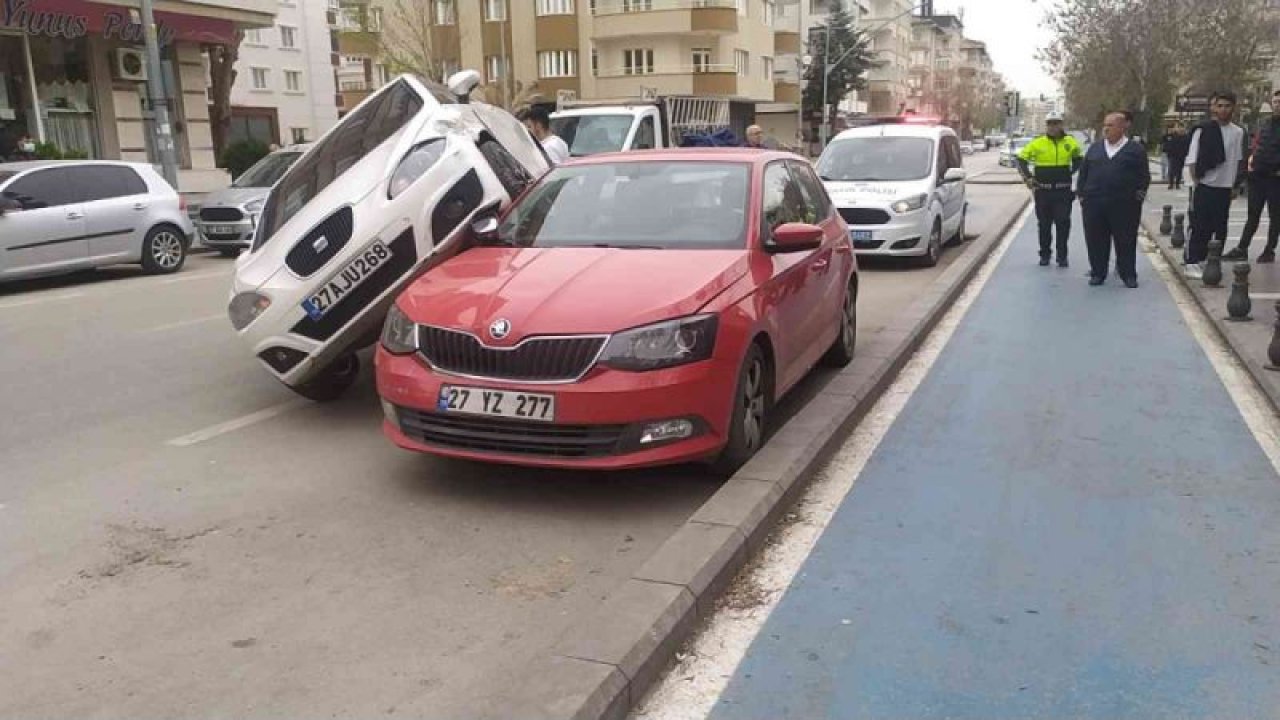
[(181, 537)]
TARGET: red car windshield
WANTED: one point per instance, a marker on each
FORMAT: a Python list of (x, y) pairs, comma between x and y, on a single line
[(660, 204)]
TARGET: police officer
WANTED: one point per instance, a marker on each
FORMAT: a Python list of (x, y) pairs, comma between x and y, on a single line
[(1055, 156)]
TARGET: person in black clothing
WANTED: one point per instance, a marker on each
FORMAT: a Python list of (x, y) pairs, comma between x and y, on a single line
[(8, 142), (1264, 188), (1112, 186), (1175, 145)]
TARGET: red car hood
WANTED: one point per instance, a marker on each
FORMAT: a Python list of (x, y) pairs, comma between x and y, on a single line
[(546, 291)]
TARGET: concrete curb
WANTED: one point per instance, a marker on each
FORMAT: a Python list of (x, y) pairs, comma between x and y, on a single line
[(603, 667), (1253, 358)]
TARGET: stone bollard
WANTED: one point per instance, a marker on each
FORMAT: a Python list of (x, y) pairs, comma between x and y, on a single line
[(1166, 220), (1213, 266), (1179, 231), (1273, 350), (1239, 304)]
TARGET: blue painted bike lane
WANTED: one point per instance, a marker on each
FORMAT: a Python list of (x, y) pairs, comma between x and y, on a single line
[(1069, 519)]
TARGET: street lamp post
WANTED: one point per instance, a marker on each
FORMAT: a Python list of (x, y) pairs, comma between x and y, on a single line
[(159, 103)]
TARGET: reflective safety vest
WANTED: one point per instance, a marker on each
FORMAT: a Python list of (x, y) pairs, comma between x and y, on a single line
[(1053, 159)]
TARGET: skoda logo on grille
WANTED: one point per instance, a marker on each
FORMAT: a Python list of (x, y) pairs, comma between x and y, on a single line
[(500, 328)]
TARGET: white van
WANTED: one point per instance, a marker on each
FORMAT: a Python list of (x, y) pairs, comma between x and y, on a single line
[(899, 183)]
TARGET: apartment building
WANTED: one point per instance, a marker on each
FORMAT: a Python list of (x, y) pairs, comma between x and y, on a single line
[(935, 63), (889, 23), (72, 74), (590, 49), (285, 83)]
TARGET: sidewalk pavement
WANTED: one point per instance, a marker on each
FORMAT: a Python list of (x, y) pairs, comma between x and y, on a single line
[(1070, 518), (1249, 340)]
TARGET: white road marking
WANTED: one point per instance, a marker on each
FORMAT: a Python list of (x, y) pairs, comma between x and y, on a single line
[(239, 423), (39, 300), (1249, 399), (691, 687), (181, 277), (1264, 296), (185, 323)]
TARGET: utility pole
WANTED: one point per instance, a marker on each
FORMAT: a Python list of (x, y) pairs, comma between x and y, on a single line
[(162, 131)]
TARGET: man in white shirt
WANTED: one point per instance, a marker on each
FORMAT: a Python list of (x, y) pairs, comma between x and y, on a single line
[(538, 120), (1217, 151)]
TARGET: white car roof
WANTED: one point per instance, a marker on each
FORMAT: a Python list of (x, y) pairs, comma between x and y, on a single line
[(37, 164), (932, 132)]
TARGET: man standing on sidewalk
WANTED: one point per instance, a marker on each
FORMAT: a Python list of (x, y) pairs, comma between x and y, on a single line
[(1217, 150), (1055, 156), (1113, 185), (1264, 188), (1175, 146)]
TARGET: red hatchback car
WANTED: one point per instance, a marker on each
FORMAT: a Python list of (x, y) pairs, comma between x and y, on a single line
[(629, 310)]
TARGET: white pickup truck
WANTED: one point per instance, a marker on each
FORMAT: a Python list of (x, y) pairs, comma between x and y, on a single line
[(591, 127)]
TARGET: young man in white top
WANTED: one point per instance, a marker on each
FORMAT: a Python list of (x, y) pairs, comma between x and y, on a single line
[(538, 120), (1217, 151)]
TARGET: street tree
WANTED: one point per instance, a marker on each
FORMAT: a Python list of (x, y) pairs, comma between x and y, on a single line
[(837, 40), (222, 76), (407, 43), (1240, 62)]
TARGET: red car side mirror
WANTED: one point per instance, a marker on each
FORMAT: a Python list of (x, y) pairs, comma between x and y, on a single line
[(795, 237)]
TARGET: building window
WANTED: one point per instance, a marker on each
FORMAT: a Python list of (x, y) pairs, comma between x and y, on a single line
[(637, 62), (349, 19), (288, 37), (767, 62), (253, 37), (742, 62), (702, 60), (558, 63), (448, 68), (595, 62), (299, 135), (381, 74), (770, 12), (293, 81), (495, 10), (495, 67), (375, 19), (445, 14), (261, 78), (555, 7), (637, 5)]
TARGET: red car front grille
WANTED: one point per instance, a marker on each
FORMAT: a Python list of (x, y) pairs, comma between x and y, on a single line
[(513, 437), (559, 359)]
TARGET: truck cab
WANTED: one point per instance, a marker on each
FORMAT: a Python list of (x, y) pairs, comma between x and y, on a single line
[(613, 128)]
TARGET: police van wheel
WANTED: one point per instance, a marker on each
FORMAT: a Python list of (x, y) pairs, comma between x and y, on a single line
[(934, 250)]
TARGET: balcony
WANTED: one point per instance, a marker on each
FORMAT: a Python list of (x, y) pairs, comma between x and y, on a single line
[(639, 18), (786, 30), (717, 80), (786, 91)]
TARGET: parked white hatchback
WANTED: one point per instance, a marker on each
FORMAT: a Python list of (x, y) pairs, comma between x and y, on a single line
[(360, 215), (60, 216), (899, 183)]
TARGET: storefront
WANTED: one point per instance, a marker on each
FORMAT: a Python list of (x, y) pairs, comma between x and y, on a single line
[(73, 72)]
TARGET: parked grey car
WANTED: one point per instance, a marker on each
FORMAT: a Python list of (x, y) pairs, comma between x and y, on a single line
[(226, 219), (59, 216)]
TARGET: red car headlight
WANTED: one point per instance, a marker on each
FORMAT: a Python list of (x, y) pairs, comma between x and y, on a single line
[(399, 333), (662, 345)]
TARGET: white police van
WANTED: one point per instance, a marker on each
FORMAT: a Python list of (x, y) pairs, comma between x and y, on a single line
[(899, 183)]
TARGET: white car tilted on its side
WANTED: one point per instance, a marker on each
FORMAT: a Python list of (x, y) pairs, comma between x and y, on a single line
[(899, 183), (398, 179)]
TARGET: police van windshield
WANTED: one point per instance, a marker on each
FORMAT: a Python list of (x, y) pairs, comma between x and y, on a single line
[(885, 159)]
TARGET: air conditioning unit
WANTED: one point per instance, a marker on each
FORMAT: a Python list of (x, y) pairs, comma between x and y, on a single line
[(130, 64)]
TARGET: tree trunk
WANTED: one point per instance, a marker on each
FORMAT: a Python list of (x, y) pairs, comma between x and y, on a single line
[(222, 73)]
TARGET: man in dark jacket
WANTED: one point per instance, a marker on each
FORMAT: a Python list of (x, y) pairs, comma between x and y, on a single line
[(1112, 186), (1175, 145), (1264, 188)]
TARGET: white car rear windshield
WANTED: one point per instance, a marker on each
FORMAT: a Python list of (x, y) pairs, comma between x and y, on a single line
[(659, 205), (877, 159), (353, 138)]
